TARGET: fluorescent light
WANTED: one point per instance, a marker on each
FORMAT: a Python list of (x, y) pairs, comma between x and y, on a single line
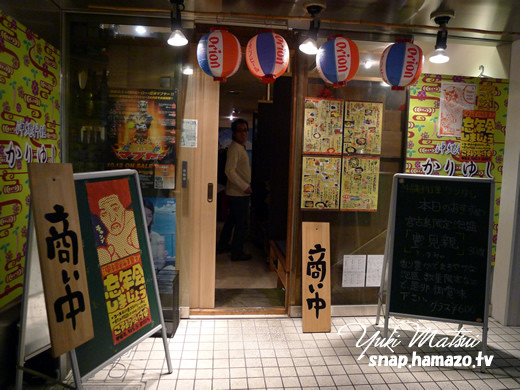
[(177, 38), (440, 56), (309, 46), (187, 70), (140, 30)]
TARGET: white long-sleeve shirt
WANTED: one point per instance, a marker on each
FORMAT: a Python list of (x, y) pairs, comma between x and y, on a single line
[(237, 170)]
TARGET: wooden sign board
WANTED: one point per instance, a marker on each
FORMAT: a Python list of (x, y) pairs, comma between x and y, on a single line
[(316, 268), (60, 249)]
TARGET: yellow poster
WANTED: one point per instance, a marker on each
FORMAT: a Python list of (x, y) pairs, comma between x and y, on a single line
[(477, 134), (362, 128), (320, 182), (323, 126), (29, 132), (125, 296), (359, 183)]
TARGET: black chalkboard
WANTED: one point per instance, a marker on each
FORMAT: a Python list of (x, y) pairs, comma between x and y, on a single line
[(439, 247), (133, 305)]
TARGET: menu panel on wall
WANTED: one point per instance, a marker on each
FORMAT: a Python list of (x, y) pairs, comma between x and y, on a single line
[(359, 183), (362, 128), (323, 126), (320, 182), (358, 137)]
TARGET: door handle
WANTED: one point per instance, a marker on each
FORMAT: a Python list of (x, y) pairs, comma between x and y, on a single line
[(210, 192)]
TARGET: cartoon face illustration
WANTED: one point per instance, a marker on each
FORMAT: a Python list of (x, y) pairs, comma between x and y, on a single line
[(112, 214)]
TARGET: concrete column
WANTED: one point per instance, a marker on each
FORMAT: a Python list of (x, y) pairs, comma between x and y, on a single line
[(505, 296)]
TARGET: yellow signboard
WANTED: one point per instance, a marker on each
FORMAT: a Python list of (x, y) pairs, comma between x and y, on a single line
[(29, 132)]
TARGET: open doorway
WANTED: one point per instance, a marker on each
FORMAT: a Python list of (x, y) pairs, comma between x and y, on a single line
[(255, 283)]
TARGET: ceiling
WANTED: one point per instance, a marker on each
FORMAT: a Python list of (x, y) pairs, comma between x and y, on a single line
[(495, 21), (377, 22)]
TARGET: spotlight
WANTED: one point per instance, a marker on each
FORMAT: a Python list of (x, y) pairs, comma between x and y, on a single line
[(441, 17), (177, 37), (310, 46)]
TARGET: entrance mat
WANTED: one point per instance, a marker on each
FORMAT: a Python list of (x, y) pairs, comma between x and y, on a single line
[(249, 297)]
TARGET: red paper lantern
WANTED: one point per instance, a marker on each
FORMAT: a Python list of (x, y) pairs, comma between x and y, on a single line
[(267, 56), (337, 60), (401, 64), (219, 54)]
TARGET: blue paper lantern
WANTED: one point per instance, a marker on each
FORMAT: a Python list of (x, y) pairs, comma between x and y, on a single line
[(337, 60), (401, 64)]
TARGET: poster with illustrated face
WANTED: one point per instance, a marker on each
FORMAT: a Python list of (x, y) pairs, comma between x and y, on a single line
[(113, 223), (119, 255), (141, 128)]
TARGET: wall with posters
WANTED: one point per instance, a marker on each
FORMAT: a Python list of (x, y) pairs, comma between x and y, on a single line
[(30, 132), (457, 128), (371, 140)]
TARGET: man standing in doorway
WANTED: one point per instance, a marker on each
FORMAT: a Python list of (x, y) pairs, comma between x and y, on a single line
[(238, 191)]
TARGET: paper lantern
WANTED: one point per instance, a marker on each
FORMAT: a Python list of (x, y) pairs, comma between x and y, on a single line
[(267, 56), (401, 64), (219, 54), (337, 60)]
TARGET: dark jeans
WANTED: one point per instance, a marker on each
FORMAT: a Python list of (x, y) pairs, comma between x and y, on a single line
[(238, 219)]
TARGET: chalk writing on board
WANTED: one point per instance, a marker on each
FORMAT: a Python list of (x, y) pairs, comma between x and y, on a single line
[(440, 251)]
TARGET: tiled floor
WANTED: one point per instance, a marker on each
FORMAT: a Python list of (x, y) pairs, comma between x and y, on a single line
[(273, 353)]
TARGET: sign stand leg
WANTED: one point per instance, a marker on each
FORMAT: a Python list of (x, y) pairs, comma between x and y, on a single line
[(166, 350), (382, 291), (483, 367), (75, 369)]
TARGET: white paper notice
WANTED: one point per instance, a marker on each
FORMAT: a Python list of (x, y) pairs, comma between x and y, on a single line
[(374, 270), (189, 133), (354, 270)]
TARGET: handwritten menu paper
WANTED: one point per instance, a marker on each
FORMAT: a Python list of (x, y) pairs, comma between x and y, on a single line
[(374, 270), (354, 270)]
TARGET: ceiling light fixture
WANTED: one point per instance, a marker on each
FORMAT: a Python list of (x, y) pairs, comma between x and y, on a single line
[(441, 17), (177, 37), (310, 45)]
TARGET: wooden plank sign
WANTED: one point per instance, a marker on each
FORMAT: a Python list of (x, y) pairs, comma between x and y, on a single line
[(316, 277), (60, 249)]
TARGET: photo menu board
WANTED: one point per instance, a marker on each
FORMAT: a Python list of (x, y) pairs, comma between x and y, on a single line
[(359, 184), (321, 179), (362, 128), (341, 148), (323, 126)]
